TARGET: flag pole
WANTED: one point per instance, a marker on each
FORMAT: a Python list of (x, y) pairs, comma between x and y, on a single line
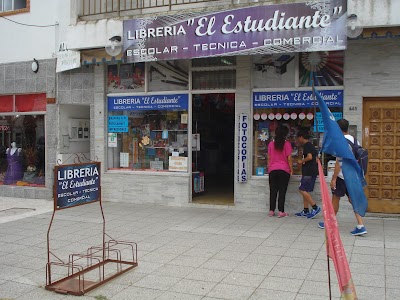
[(319, 150)]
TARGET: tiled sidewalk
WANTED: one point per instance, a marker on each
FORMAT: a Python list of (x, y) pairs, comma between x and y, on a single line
[(202, 253)]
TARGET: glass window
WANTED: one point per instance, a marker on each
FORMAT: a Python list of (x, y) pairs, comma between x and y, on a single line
[(148, 139), (223, 61), (13, 5), (170, 75), (22, 150), (210, 80), (122, 78), (266, 120), (274, 70), (327, 68)]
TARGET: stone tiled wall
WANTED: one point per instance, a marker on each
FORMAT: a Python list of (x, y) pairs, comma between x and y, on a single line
[(372, 69), (18, 78)]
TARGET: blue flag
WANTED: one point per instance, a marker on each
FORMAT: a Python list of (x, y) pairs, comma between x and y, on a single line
[(336, 144)]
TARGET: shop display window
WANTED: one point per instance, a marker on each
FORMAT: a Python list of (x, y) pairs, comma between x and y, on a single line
[(168, 75), (149, 140), (122, 78), (265, 121), (274, 70), (22, 140), (326, 68)]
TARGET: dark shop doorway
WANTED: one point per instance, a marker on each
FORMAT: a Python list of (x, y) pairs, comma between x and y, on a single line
[(213, 132)]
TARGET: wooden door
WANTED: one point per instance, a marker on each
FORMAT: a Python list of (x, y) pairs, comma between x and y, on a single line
[(381, 136)]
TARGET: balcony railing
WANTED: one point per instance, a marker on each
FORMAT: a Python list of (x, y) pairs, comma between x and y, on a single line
[(112, 8)]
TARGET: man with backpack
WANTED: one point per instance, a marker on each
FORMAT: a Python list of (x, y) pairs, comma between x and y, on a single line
[(338, 184)]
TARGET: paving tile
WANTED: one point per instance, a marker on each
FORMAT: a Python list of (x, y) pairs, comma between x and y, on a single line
[(220, 264), (157, 282), (393, 271), (301, 253), (289, 272), (39, 293), (137, 293), (266, 294), (228, 291), (250, 280), (370, 280), (370, 259), (147, 267), (365, 292), (207, 275), (392, 293), (393, 282), (158, 257), (295, 261), (270, 250), (369, 251), (313, 297), (368, 243), (178, 296), (265, 259), (194, 287), (365, 268), (320, 289), (188, 261), (282, 284), (174, 271), (231, 255), (10, 289), (254, 268)]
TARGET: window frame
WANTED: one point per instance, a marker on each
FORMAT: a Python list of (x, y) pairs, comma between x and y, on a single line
[(17, 11)]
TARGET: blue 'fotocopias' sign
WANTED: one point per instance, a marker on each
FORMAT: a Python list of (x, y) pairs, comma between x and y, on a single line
[(76, 184), (296, 99), (149, 102)]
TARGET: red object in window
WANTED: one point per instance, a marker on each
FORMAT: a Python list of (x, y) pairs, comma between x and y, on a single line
[(6, 103), (30, 102)]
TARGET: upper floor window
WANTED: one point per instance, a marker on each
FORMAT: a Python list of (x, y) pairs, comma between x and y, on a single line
[(13, 6)]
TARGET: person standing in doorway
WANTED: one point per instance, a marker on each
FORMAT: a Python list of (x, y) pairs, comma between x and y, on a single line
[(309, 172), (338, 185), (280, 167)]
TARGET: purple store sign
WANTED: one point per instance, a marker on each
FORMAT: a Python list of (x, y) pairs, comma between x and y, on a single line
[(297, 27)]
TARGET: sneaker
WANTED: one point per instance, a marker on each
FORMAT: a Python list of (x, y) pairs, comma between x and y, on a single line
[(283, 214), (321, 225), (358, 231), (314, 212), (301, 214), (271, 213)]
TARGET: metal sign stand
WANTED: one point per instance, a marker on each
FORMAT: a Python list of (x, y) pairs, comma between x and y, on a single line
[(99, 264)]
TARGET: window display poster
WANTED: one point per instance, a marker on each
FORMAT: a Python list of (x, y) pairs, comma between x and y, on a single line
[(320, 123), (112, 140), (157, 165), (76, 184), (124, 160), (178, 164), (117, 123)]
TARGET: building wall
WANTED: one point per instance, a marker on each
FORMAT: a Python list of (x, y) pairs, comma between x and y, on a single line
[(372, 69)]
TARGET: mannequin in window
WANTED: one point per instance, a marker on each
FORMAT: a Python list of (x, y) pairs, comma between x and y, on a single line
[(14, 168)]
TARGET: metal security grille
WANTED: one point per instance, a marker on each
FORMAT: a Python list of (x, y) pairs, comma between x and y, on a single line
[(102, 7)]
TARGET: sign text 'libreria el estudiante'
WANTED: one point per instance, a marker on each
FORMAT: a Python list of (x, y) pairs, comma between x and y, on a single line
[(296, 27), (77, 184)]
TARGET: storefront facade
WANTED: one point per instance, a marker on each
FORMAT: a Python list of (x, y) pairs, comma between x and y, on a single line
[(169, 131), (27, 115)]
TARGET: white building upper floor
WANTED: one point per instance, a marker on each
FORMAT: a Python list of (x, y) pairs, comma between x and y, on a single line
[(35, 28)]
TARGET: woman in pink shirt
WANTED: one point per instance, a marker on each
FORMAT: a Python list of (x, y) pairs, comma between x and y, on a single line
[(280, 168)]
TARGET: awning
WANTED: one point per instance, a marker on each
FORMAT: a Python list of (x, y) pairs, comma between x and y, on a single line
[(98, 56)]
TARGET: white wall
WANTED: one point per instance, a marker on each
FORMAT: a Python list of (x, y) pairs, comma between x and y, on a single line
[(375, 13)]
